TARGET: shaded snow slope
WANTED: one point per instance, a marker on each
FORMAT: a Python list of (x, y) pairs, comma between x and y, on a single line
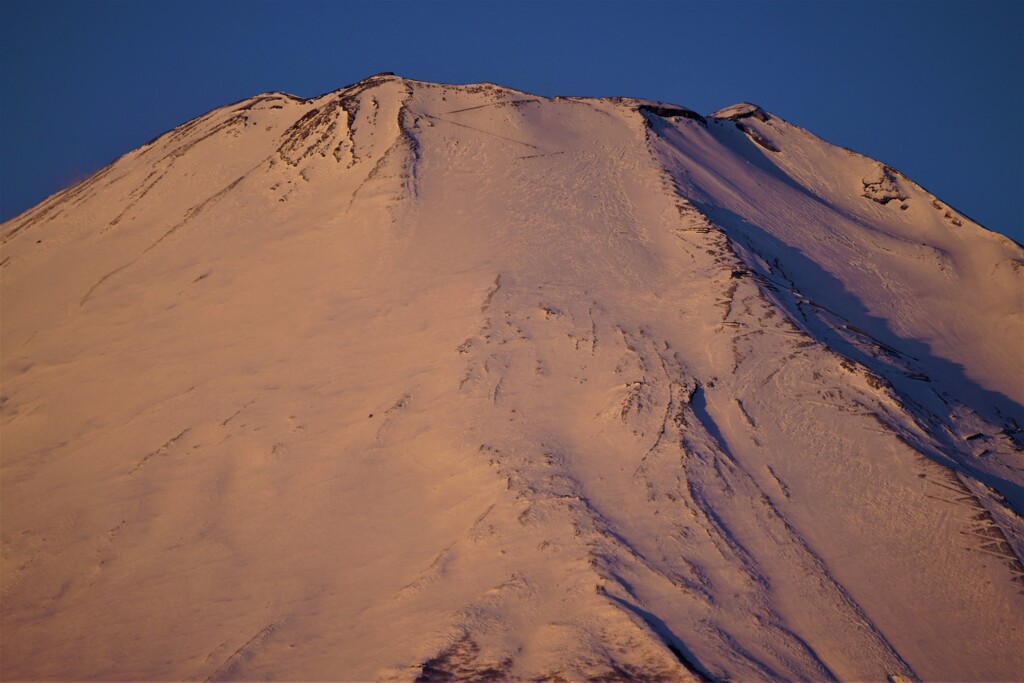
[(412, 381)]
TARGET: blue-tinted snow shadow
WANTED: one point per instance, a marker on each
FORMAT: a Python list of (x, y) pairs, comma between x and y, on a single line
[(672, 642), (699, 405), (831, 294)]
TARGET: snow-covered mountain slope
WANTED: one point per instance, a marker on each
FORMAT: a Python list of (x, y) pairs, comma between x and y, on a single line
[(419, 381)]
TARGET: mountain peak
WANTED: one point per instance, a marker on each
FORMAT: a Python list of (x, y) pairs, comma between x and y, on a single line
[(741, 111), (414, 381), (383, 75), (370, 81)]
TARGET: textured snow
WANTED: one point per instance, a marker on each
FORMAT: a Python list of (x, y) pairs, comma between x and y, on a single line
[(740, 111), (413, 381)]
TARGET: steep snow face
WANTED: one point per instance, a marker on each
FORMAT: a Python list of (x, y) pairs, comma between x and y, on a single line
[(896, 264), (418, 381)]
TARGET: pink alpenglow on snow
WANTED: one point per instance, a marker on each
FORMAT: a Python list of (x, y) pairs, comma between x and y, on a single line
[(415, 381)]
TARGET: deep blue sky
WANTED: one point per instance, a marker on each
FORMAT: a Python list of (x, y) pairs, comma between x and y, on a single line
[(932, 88)]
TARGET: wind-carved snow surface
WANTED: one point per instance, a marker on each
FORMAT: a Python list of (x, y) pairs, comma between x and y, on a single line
[(416, 381)]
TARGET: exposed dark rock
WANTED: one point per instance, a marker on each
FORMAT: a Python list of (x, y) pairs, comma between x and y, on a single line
[(672, 112), (742, 111), (461, 662), (881, 186)]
